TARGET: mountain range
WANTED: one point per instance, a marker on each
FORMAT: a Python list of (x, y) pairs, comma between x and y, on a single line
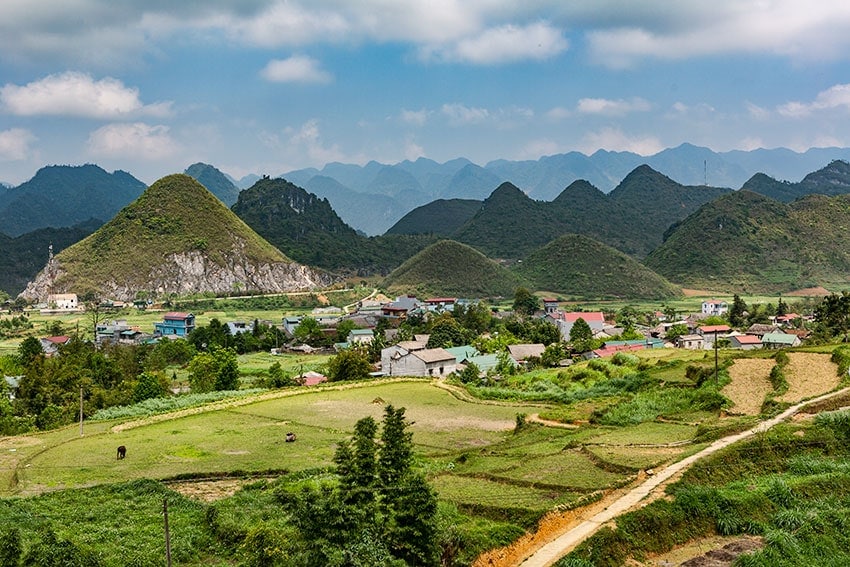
[(647, 215), (408, 184)]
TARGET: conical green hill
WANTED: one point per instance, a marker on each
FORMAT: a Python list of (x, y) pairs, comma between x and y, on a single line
[(449, 268), (177, 237), (579, 266)]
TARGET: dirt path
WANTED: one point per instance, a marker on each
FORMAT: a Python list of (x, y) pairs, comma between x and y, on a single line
[(809, 374), (583, 527), (750, 384)]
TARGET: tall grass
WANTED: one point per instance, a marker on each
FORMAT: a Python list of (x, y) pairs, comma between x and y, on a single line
[(156, 406)]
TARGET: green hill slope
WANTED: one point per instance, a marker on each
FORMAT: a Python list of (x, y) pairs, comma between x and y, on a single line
[(176, 238), (579, 266), (62, 195), (632, 218), (746, 241), (309, 231), (215, 181), (834, 179), (443, 217), (448, 268)]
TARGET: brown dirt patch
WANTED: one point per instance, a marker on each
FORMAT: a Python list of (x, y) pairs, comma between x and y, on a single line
[(809, 374), (750, 384), (208, 491), (810, 292), (715, 551), (698, 293)]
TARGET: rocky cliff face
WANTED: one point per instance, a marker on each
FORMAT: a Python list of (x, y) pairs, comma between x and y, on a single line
[(187, 273)]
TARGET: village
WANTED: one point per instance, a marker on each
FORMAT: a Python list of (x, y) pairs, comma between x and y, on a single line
[(412, 357)]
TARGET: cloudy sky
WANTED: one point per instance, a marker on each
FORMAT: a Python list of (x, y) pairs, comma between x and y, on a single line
[(266, 86)]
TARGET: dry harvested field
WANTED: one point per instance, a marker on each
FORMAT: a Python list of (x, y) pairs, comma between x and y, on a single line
[(750, 384), (809, 374)]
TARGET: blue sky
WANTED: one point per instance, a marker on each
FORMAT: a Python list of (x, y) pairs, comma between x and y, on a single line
[(267, 86)]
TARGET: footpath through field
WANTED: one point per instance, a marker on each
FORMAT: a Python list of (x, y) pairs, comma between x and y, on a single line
[(549, 553)]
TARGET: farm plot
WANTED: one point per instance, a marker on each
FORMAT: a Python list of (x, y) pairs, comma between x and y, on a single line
[(251, 437), (809, 374), (488, 493), (750, 384)]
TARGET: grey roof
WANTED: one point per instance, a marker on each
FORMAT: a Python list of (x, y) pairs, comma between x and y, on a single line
[(434, 355), (523, 352)]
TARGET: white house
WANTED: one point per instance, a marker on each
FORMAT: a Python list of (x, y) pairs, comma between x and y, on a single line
[(714, 307), (62, 301)]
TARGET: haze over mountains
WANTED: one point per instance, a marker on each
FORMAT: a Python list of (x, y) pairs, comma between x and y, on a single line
[(647, 217), (408, 184)]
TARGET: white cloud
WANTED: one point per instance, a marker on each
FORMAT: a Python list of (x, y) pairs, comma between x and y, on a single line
[(801, 31), (535, 149), (504, 44), (109, 33), (308, 139), (296, 69), (757, 112), (412, 150), (134, 141), (612, 107), (837, 96), (558, 113), (15, 144), (750, 143), (460, 114), (77, 94), (414, 117), (614, 139)]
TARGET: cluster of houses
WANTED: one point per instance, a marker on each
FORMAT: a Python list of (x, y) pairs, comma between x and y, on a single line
[(413, 358)]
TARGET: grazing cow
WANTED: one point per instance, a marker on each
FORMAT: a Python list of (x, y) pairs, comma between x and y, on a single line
[(290, 437), (122, 451)]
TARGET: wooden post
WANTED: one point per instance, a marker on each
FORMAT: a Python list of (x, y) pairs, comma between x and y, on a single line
[(81, 410), (716, 379), (167, 535)]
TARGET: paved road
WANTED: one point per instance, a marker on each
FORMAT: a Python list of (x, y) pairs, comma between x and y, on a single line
[(557, 548)]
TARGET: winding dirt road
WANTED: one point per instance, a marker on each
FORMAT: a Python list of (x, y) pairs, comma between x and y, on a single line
[(582, 528)]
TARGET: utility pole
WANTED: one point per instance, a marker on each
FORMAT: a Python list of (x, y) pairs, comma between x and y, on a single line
[(716, 379), (81, 410), (167, 535)]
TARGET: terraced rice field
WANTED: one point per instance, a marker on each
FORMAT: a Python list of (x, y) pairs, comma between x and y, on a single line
[(750, 384), (808, 375)]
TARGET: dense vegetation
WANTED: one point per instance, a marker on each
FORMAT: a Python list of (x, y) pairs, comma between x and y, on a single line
[(308, 230), (834, 179), (60, 195), (448, 268), (579, 266), (745, 241), (441, 217), (631, 218), (22, 257)]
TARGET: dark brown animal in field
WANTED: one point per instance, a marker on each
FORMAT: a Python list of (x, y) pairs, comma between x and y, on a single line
[(122, 451), (290, 437)]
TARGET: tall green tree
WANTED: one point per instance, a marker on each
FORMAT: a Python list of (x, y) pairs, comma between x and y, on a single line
[(581, 335), (349, 364), (380, 512), (737, 311), (525, 302), (446, 332), (29, 350)]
